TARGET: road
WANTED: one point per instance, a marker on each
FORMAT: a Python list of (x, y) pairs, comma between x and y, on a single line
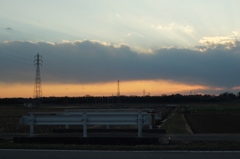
[(162, 137), (203, 137), (78, 154)]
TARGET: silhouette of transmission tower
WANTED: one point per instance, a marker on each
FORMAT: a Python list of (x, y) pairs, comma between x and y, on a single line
[(118, 92), (37, 86)]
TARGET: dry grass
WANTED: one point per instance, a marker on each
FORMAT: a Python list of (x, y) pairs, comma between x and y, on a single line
[(176, 124)]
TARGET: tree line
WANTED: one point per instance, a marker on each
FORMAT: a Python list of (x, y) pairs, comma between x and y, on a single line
[(174, 98)]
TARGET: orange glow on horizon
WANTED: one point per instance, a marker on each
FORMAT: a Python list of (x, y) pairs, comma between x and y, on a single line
[(100, 89)]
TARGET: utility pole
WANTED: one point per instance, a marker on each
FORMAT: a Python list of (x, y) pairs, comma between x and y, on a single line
[(37, 86), (118, 92)]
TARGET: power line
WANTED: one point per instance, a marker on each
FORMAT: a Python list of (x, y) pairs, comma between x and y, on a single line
[(11, 55), (20, 57), (57, 72)]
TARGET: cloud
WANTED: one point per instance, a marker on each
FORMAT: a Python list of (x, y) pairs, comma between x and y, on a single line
[(174, 27), (215, 41), (95, 62), (8, 28), (134, 34)]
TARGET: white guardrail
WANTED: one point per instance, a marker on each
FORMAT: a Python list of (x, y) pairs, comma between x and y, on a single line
[(87, 118)]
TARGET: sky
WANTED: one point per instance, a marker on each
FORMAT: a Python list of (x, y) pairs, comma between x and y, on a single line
[(153, 47)]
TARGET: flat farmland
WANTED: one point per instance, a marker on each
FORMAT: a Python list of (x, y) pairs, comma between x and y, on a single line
[(214, 121)]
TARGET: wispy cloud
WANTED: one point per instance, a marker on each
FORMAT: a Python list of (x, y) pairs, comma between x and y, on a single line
[(174, 27)]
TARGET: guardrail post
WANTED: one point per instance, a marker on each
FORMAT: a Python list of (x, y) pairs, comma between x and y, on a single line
[(151, 121), (67, 126), (150, 126), (84, 124), (31, 124), (139, 124)]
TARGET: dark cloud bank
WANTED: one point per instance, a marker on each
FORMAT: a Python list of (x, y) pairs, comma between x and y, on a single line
[(91, 62)]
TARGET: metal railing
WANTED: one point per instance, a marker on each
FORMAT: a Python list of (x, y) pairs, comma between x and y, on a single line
[(87, 118)]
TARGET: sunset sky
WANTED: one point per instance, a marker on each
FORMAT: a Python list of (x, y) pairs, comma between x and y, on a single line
[(152, 46)]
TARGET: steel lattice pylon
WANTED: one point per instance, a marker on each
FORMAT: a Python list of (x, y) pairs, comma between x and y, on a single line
[(37, 86)]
